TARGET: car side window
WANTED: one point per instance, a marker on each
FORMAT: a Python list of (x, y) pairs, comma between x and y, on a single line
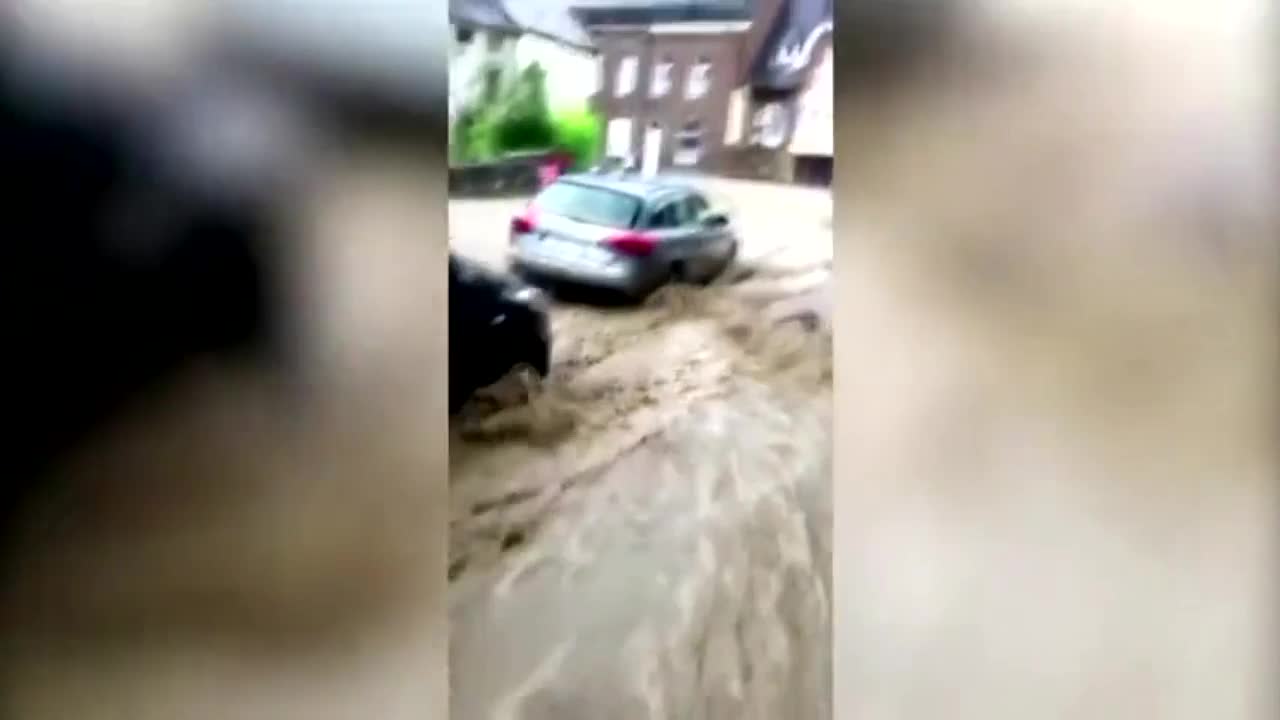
[(665, 216), (679, 209), (684, 211), (696, 205)]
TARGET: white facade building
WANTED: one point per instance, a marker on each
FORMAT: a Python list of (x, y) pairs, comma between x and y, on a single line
[(572, 74), (492, 42), (477, 56)]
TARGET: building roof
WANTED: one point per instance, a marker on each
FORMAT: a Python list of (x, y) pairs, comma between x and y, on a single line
[(644, 12), (481, 13), (552, 19), (790, 49)]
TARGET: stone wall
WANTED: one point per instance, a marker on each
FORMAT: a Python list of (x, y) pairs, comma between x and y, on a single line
[(513, 175)]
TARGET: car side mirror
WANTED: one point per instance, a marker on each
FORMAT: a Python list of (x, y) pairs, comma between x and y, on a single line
[(714, 218)]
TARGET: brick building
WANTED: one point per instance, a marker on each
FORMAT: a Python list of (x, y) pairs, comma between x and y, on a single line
[(711, 85), (668, 73)]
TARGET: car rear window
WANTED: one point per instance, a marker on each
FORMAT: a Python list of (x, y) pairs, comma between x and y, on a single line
[(597, 206)]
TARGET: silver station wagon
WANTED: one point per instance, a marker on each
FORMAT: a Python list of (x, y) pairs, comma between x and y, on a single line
[(625, 234)]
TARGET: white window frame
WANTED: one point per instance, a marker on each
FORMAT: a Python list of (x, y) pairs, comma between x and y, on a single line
[(618, 139), (624, 81), (698, 80), (772, 135), (736, 117), (660, 79)]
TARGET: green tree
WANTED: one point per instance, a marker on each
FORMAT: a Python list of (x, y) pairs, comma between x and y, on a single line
[(518, 119), (524, 122), (579, 131)]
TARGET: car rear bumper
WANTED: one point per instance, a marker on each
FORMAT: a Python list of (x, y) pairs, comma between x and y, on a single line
[(627, 277)]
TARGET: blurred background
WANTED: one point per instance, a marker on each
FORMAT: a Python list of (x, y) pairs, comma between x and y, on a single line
[(1055, 376), (227, 474), (224, 472)]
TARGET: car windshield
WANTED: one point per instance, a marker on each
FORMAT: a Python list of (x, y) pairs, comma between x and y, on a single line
[(594, 205)]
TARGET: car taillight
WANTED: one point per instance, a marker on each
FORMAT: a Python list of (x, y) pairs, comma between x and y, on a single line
[(522, 224), (632, 243)]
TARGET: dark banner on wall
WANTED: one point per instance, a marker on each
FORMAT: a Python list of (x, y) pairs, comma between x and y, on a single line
[(792, 45)]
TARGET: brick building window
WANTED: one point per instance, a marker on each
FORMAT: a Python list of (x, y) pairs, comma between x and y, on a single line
[(689, 144), (625, 82), (698, 83), (770, 125), (660, 83)]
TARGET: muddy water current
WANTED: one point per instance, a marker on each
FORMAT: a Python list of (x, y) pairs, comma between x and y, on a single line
[(646, 533)]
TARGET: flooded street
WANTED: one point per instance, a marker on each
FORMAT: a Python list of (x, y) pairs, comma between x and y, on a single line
[(672, 475)]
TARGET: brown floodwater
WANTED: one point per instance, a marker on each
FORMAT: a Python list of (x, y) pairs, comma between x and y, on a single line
[(661, 502)]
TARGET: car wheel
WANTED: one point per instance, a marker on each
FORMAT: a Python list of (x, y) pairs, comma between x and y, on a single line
[(728, 259), (706, 277), (680, 273), (532, 350), (538, 356), (634, 295)]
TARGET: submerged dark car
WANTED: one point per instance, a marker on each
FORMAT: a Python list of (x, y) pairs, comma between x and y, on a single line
[(496, 322)]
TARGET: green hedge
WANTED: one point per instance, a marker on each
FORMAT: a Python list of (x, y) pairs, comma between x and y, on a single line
[(579, 131)]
